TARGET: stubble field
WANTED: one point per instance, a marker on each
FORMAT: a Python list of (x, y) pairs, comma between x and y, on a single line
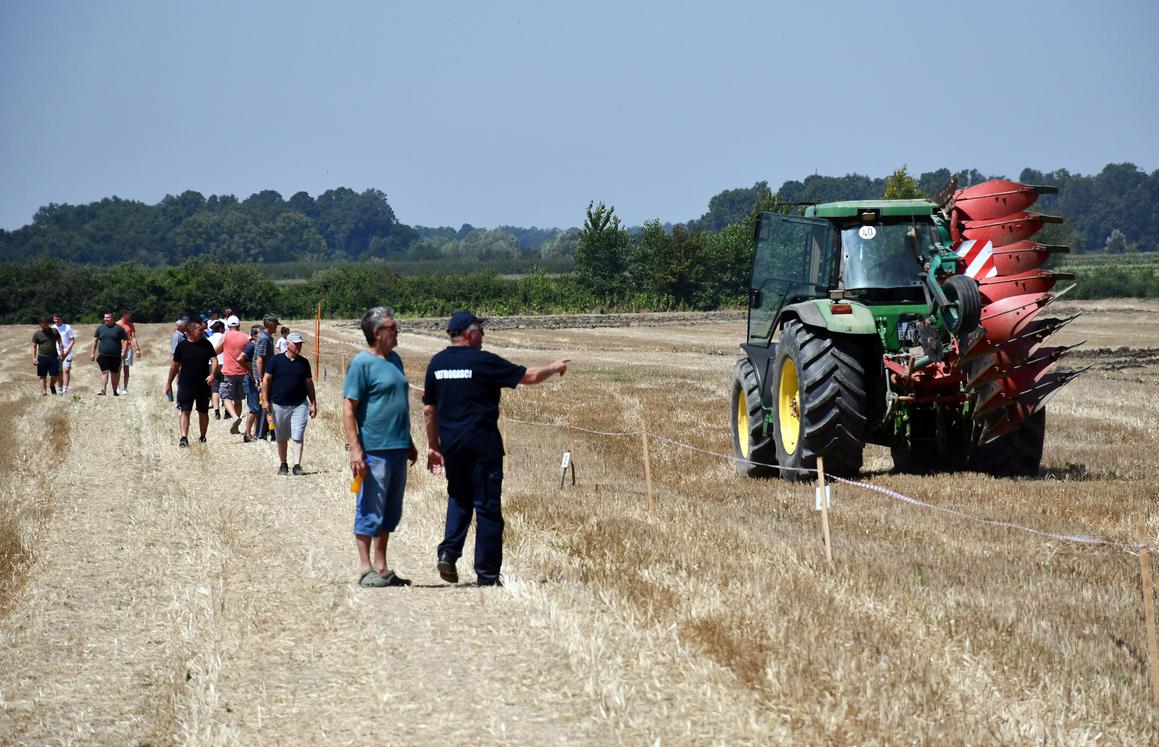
[(157, 595)]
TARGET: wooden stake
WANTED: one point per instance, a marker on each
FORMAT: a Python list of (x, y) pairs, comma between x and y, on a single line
[(647, 469), (568, 457), (1149, 612), (317, 341), (343, 367), (824, 510)]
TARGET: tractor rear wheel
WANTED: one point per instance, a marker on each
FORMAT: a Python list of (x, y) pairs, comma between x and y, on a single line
[(819, 402), (749, 442), (1015, 454)]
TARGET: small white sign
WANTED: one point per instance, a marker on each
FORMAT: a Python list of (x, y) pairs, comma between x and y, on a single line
[(828, 497), (566, 460), (867, 232)]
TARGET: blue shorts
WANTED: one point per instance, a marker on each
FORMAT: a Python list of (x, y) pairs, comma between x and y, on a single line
[(379, 505), (47, 365), (252, 395)]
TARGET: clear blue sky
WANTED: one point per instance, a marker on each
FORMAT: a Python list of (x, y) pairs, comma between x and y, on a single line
[(519, 113)]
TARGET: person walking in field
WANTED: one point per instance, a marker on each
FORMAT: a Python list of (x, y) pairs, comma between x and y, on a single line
[(111, 342), (67, 340), (194, 366), (46, 356), (215, 334), (280, 343), (287, 386), (461, 408), (179, 330), (126, 322), (263, 352), (229, 349), (253, 394), (376, 417)]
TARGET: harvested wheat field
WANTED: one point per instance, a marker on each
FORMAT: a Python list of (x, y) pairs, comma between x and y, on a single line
[(153, 595)]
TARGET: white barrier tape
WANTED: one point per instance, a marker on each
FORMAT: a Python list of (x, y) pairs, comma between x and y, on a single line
[(1075, 538), (613, 434)]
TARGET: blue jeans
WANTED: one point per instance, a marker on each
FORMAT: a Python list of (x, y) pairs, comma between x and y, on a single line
[(475, 487)]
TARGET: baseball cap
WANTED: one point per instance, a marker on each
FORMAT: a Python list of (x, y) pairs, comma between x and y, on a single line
[(270, 318), (294, 337), (460, 320), (233, 321)]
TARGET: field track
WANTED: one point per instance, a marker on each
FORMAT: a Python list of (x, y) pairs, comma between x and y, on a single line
[(191, 596)]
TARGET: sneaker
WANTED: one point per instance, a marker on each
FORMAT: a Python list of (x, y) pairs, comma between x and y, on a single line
[(44, 394), (284, 469), (487, 581), (201, 440), (115, 393), (184, 441), (247, 439), (236, 427), (298, 471), (101, 393), (447, 570)]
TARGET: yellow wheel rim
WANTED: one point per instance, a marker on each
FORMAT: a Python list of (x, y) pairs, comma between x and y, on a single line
[(742, 425), (789, 407)]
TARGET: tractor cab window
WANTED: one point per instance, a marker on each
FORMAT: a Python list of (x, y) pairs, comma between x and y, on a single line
[(884, 255)]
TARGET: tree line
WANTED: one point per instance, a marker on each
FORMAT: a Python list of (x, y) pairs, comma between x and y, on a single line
[(1116, 210)]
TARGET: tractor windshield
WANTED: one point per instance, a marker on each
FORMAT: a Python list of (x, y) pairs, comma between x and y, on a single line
[(884, 255)]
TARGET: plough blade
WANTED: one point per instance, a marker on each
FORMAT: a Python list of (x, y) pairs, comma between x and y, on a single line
[(996, 198), (1018, 379), (1022, 256), (1025, 404), (1034, 281), (1004, 319), (1007, 229)]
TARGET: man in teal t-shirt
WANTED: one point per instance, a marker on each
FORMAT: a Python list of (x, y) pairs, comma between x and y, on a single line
[(376, 415)]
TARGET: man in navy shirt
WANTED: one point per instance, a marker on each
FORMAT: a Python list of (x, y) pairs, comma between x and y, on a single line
[(461, 408)]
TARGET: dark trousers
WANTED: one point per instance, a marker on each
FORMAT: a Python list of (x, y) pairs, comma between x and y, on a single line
[(476, 487)]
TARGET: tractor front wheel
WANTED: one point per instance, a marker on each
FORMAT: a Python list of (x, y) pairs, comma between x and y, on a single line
[(819, 402), (753, 452)]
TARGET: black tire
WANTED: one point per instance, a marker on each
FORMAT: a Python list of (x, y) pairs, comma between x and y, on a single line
[(1015, 454), (749, 443), (964, 290), (830, 400)]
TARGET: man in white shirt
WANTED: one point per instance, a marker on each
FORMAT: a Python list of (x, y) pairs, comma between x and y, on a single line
[(67, 339)]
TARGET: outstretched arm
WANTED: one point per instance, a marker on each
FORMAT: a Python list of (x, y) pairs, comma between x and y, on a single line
[(536, 375)]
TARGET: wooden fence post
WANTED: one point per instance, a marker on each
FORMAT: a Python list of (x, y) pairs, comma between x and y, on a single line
[(647, 469), (824, 500), (568, 461), (317, 341), (1149, 612)]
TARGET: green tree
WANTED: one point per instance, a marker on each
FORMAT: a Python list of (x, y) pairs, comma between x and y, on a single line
[(901, 186), (601, 256), (1116, 243)]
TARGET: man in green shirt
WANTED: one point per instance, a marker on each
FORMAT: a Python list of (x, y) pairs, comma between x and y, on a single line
[(110, 341), (46, 355)]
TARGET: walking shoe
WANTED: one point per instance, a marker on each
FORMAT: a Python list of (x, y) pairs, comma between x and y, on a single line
[(184, 441), (371, 579), (201, 440), (115, 393), (447, 570), (284, 469), (247, 439), (101, 393), (236, 427), (393, 579), (298, 471), (488, 581)]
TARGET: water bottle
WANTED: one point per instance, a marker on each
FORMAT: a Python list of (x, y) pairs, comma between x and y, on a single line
[(169, 394), (357, 484)]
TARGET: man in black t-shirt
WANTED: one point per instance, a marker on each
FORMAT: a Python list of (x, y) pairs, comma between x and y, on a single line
[(286, 387), (194, 366), (461, 408)]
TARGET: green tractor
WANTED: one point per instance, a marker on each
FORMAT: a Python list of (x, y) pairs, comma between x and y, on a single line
[(912, 324)]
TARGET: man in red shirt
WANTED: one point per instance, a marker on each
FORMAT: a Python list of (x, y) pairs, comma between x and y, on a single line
[(126, 322), (231, 346)]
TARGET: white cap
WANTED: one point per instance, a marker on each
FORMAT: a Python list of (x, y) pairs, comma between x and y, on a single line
[(233, 321)]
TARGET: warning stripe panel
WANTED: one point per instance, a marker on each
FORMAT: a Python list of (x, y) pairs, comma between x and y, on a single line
[(979, 259)]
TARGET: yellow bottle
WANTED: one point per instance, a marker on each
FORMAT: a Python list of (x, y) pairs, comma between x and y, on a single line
[(357, 484)]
